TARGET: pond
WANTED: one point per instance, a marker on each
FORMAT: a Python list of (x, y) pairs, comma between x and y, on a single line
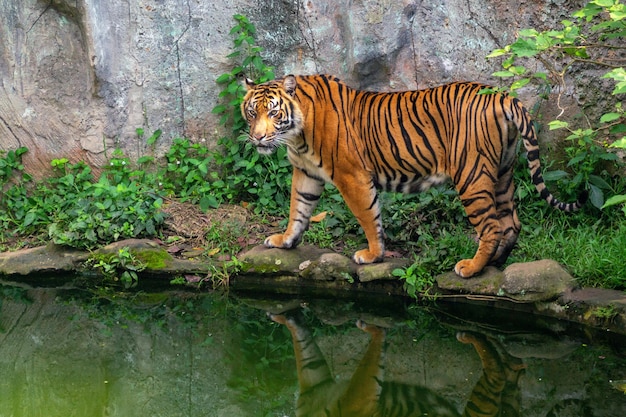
[(101, 353)]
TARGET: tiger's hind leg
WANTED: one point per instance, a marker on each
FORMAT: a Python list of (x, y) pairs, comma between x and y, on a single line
[(479, 202), (507, 215), (497, 391)]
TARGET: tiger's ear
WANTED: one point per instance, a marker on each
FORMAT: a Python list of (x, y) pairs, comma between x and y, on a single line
[(289, 84), (247, 83)]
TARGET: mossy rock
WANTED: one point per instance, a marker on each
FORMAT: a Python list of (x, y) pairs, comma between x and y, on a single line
[(263, 260), (523, 282), (146, 251)]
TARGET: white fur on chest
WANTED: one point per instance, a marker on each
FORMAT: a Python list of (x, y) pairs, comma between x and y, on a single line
[(310, 164)]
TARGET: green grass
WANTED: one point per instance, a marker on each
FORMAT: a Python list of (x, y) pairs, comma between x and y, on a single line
[(593, 250)]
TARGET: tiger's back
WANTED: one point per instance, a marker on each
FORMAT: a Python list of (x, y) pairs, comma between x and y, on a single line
[(403, 141)]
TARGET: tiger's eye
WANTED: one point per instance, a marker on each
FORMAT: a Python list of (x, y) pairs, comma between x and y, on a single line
[(272, 113)]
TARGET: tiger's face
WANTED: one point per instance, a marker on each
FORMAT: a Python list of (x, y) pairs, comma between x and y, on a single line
[(272, 112)]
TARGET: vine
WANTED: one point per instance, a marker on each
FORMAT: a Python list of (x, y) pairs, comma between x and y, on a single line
[(264, 181)]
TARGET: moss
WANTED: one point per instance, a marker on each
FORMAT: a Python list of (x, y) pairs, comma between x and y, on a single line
[(105, 257), (269, 268), (153, 258)]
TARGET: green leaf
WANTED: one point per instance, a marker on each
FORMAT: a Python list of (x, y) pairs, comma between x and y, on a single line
[(609, 117), (620, 88), (29, 219), (503, 74), (203, 168), (224, 78), (620, 143), (518, 70), (578, 158), (616, 73), (524, 48), (614, 200), (497, 52), (154, 137), (145, 159), (528, 32), (603, 3), (557, 124), (608, 156), (555, 175), (520, 83), (508, 62), (617, 129), (596, 196), (599, 182), (220, 108), (207, 202)]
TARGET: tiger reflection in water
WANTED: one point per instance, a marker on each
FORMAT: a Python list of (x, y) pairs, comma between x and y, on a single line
[(367, 394)]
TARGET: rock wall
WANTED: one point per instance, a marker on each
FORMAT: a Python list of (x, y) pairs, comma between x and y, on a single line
[(80, 76)]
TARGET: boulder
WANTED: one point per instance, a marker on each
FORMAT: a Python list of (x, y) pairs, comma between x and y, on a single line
[(263, 260), (542, 280), (536, 281), (41, 260)]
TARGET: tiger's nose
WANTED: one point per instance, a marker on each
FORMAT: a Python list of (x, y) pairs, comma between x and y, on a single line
[(258, 136)]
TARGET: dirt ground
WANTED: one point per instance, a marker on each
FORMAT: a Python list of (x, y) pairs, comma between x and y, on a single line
[(186, 228)]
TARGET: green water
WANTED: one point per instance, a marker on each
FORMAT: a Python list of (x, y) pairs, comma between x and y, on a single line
[(73, 353)]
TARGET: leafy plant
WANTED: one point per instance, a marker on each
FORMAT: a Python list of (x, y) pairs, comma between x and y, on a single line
[(418, 280), (115, 207), (586, 157), (188, 175), (589, 38), (607, 313), (617, 198), (10, 164), (120, 267), (250, 64), (14, 205), (263, 181), (220, 275)]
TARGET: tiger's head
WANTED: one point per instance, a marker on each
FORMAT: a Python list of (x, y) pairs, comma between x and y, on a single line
[(272, 112)]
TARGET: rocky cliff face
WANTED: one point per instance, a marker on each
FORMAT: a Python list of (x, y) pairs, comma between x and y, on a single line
[(80, 76)]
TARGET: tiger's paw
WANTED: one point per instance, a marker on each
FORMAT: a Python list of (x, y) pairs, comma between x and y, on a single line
[(369, 328), (278, 241), (365, 256), (466, 337), (278, 318), (466, 268)]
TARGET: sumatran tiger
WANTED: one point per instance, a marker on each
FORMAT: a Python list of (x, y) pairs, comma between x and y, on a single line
[(367, 393), (400, 141)]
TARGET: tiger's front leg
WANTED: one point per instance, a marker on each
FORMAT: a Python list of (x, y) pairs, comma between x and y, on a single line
[(305, 193), (359, 193)]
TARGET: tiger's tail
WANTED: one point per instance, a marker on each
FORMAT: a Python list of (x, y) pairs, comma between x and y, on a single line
[(520, 116)]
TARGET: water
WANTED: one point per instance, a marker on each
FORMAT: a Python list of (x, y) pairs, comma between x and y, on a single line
[(78, 353)]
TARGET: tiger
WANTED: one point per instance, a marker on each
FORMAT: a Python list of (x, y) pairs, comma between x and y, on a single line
[(408, 141), (368, 394)]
